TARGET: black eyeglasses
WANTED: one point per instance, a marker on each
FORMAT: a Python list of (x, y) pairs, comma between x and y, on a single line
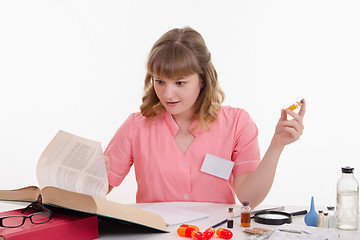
[(35, 218)]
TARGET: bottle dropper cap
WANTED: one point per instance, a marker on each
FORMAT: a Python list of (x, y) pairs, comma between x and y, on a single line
[(245, 203)]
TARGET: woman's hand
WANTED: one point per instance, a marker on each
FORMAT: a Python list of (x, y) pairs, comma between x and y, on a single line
[(288, 131), (256, 185), (107, 164)]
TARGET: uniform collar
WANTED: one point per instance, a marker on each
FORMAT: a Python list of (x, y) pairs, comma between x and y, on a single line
[(174, 128)]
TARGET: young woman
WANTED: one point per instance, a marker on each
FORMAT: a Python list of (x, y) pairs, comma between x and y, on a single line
[(182, 125)]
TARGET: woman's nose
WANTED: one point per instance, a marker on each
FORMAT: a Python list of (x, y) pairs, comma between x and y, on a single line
[(169, 91)]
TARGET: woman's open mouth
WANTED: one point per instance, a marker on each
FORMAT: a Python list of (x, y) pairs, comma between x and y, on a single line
[(171, 104)]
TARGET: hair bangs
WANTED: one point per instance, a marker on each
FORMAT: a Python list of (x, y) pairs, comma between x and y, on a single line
[(173, 61)]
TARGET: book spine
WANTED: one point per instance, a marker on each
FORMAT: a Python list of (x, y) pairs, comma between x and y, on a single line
[(81, 229)]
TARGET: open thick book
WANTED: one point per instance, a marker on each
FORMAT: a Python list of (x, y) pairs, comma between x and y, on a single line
[(71, 174)]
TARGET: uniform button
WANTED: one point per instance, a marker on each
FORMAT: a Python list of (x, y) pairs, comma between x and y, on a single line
[(186, 196), (184, 164)]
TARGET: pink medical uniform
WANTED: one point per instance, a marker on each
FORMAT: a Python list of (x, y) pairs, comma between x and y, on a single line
[(165, 174)]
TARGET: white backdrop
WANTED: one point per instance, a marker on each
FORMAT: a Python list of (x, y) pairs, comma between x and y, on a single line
[(79, 66)]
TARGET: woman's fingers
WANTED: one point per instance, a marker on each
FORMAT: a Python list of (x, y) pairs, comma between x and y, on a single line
[(301, 113), (303, 108), (290, 130), (107, 163), (294, 134), (298, 117), (293, 124), (283, 116)]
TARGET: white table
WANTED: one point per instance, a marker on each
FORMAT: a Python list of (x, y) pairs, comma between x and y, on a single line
[(217, 213)]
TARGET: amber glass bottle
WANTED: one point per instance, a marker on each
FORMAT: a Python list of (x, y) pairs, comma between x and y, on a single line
[(245, 215)]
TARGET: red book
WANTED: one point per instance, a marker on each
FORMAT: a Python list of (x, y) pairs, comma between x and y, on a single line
[(63, 225)]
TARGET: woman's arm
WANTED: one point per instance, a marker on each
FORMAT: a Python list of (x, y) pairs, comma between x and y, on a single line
[(107, 165), (253, 187)]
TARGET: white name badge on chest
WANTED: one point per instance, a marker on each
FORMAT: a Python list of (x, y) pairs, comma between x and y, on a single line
[(217, 166)]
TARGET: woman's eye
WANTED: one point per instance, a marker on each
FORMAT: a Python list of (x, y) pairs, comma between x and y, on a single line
[(180, 83), (160, 82)]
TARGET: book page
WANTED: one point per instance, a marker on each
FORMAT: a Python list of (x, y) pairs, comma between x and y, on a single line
[(75, 164), (26, 194)]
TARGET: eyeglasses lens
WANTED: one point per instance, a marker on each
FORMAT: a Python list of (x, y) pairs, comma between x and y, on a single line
[(13, 221), (40, 217)]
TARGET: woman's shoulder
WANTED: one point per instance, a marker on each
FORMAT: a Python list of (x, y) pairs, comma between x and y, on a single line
[(132, 123), (229, 111), (136, 117), (234, 116)]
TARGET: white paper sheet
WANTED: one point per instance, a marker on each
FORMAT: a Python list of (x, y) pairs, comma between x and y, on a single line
[(174, 215)]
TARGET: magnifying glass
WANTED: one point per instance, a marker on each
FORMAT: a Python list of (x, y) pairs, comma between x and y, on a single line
[(276, 217)]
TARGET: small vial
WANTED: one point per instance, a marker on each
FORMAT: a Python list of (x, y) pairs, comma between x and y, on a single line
[(331, 217), (224, 233), (295, 105), (230, 219), (245, 215), (320, 219), (326, 220)]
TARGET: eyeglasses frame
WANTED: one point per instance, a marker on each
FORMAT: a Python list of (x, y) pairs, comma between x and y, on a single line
[(34, 205)]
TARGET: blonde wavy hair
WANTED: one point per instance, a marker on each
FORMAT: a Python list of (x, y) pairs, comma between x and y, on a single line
[(181, 52)]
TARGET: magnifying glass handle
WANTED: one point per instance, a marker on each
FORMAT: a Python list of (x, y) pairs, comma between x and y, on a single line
[(299, 213)]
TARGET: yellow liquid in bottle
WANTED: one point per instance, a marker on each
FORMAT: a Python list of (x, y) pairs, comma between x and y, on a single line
[(245, 219), (295, 105)]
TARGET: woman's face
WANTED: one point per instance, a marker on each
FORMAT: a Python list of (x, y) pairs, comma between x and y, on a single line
[(178, 96)]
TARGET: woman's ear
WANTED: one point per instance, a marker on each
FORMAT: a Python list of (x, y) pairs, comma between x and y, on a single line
[(202, 83)]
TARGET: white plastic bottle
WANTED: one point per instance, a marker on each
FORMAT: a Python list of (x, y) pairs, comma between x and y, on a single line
[(332, 217), (326, 220), (347, 200)]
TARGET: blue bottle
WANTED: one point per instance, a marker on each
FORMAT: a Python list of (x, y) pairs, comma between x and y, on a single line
[(311, 218)]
